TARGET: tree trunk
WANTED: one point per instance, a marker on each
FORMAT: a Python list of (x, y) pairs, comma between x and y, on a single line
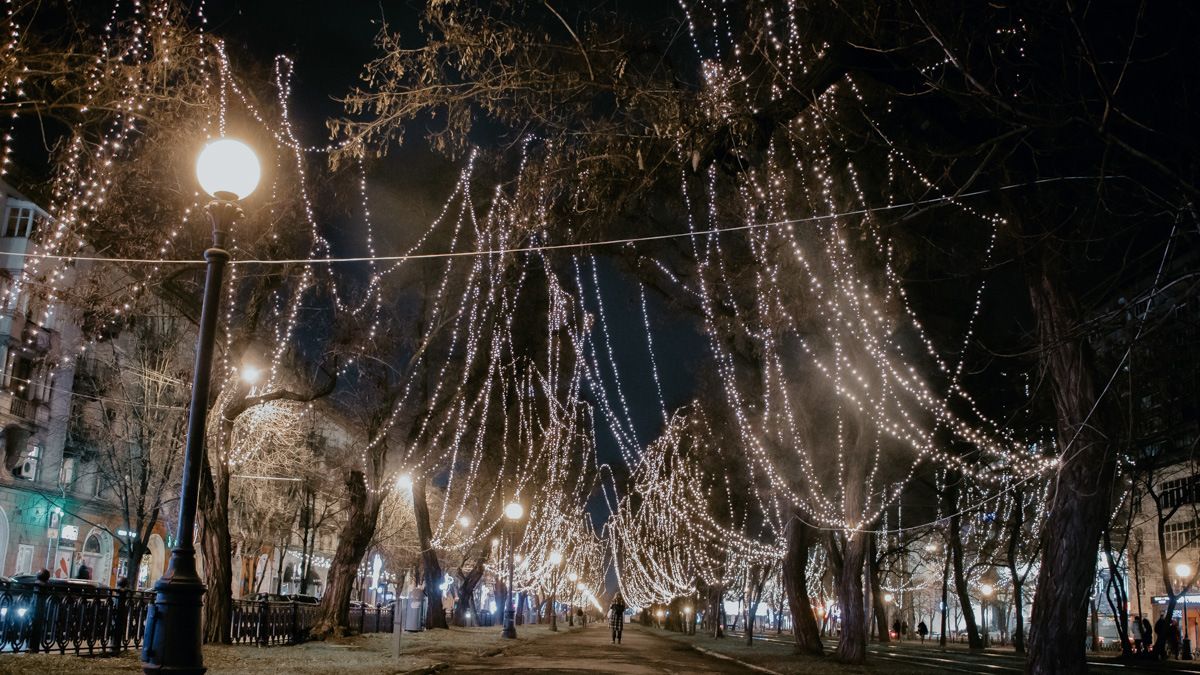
[(960, 578), (1078, 504), (716, 595), (435, 617), (877, 605), (217, 548), (945, 593), (795, 583), (1116, 587), (467, 584), (852, 647), (1014, 535), (355, 537)]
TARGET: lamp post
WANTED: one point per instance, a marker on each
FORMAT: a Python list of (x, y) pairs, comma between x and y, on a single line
[(555, 561), (1184, 572), (228, 170), (573, 578), (887, 600), (986, 591), (512, 513)]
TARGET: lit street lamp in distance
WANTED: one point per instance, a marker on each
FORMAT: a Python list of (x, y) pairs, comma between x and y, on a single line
[(512, 513), (555, 562), (1184, 572), (986, 591), (229, 171)]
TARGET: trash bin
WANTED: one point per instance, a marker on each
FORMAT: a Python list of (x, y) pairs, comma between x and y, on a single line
[(414, 613)]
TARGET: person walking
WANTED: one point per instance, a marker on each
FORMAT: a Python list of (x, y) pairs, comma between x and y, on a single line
[(922, 631), (617, 618), (1162, 628), (896, 628), (1147, 635), (84, 572)]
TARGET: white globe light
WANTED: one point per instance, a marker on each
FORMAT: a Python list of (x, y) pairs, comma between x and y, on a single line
[(888, 597), (555, 557), (514, 511), (228, 167), (404, 482), (987, 589), (1183, 570), (464, 521), (573, 577)]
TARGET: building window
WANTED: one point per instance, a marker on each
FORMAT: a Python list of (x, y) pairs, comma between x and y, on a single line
[(19, 222), (66, 475), (28, 469), (1179, 492), (1181, 535), (24, 559)]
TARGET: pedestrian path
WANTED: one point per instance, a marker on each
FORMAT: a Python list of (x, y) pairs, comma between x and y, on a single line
[(590, 651)]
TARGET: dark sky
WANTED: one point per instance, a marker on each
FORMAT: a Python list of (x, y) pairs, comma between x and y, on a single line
[(329, 43)]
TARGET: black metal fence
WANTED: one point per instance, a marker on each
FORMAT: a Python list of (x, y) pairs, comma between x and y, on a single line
[(61, 618), (69, 618), (272, 622)]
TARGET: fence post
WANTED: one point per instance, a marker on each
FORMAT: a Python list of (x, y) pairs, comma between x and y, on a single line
[(296, 623), (362, 619), (264, 621), (37, 620), (120, 620)]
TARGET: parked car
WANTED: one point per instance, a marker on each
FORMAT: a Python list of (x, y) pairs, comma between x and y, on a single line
[(269, 597), (359, 604), (303, 599)]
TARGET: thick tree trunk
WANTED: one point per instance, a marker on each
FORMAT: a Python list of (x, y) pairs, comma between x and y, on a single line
[(716, 596), (217, 548), (467, 584), (795, 584), (974, 641), (877, 604), (355, 537), (435, 617), (852, 647), (1079, 499)]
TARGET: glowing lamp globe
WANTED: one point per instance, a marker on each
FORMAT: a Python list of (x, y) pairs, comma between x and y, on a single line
[(555, 558), (250, 374), (514, 511), (228, 169), (464, 521), (987, 589), (405, 482), (1183, 570), (573, 577)]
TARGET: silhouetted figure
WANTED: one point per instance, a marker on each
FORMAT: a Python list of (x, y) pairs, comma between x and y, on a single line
[(922, 631), (1147, 635), (617, 618), (84, 572)]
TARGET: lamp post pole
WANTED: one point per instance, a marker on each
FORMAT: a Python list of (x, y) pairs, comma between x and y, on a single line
[(173, 624), (228, 170), (512, 513)]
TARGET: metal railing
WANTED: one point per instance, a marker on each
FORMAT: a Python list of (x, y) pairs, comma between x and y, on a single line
[(272, 622), (44, 617)]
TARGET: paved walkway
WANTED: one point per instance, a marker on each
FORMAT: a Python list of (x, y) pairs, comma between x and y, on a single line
[(591, 651)]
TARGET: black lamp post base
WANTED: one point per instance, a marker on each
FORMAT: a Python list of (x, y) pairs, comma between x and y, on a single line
[(510, 625), (173, 625)]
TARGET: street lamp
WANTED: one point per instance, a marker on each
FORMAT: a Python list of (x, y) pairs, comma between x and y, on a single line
[(985, 590), (555, 560), (1184, 572), (228, 170), (513, 512)]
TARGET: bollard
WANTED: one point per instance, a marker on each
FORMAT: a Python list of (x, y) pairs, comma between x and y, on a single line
[(397, 628)]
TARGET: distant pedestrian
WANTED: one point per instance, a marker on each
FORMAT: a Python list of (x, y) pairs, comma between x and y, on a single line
[(84, 572), (922, 631), (617, 618), (44, 575), (1161, 629), (1147, 635), (896, 628), (904, 629), (1173, 639)]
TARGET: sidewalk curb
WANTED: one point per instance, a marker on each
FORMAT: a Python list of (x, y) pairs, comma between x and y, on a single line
[(427, 670), (726, 657)]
